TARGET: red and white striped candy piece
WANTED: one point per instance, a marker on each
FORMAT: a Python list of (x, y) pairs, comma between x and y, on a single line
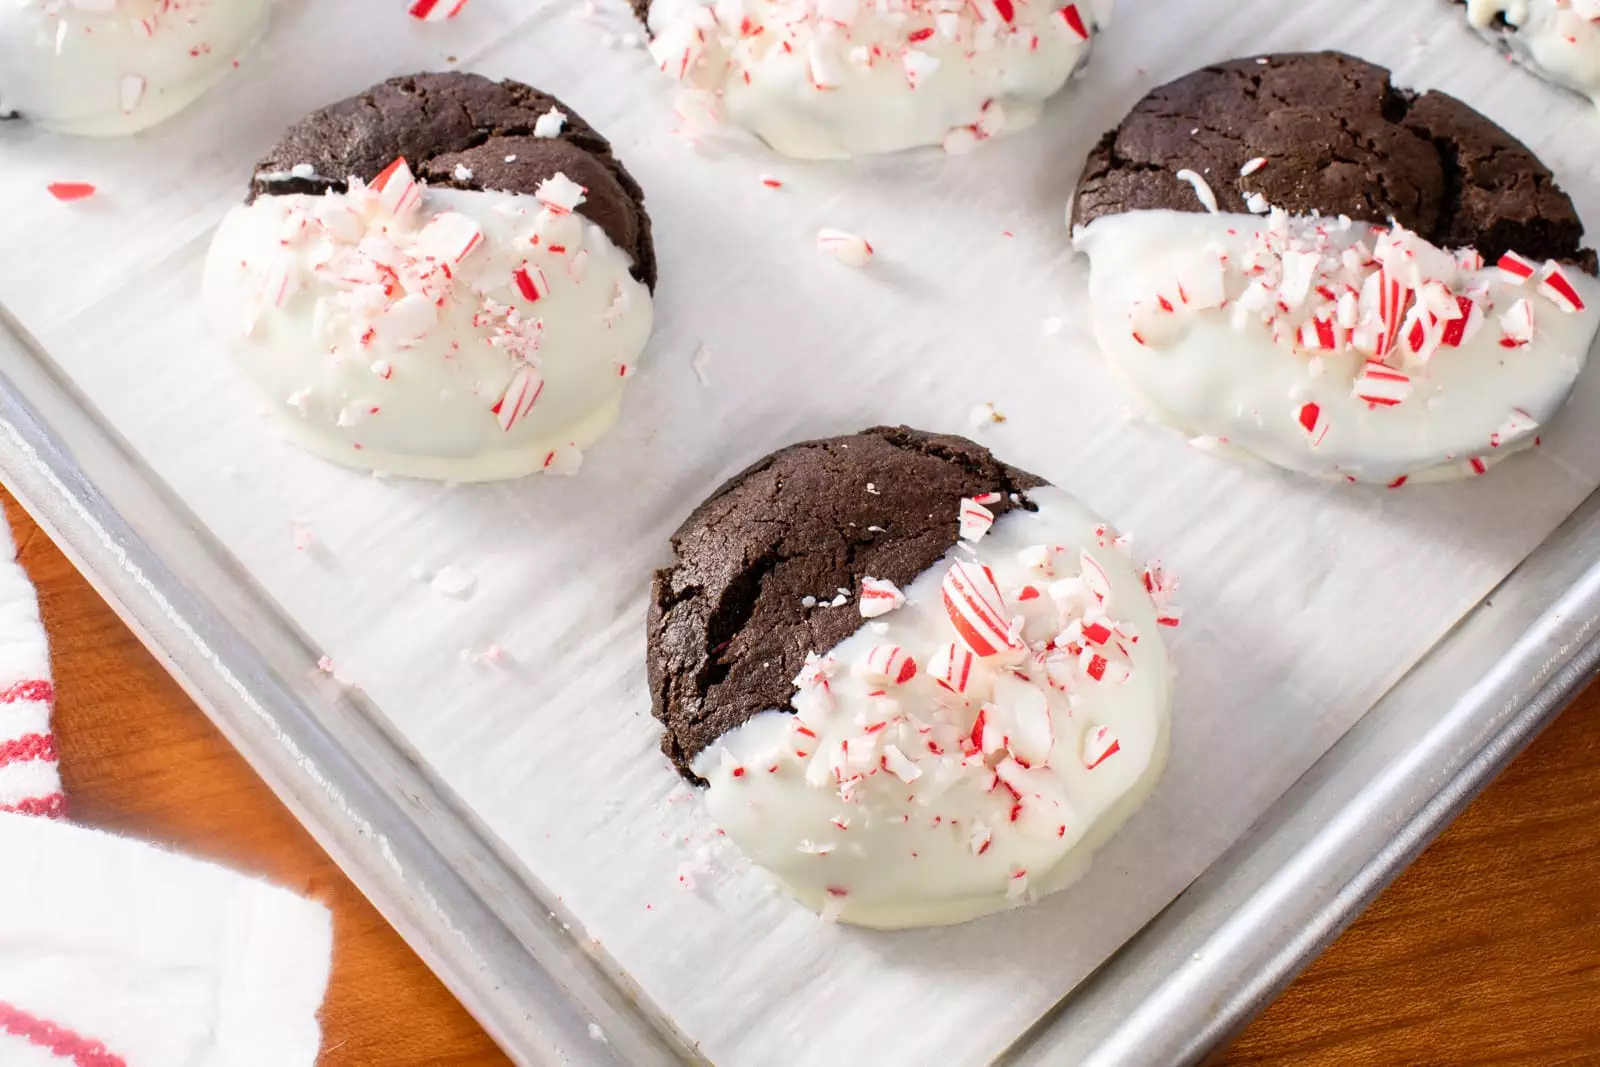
[(988, 498), (1099, 745), (1320, 334), (449, 237), (1071, 20), (1515, 269), (530, 282), (975, 520), (1313, 421), (560, 194), (397, 189), (1380, 385), (1517, 324), (1102, 669), (977, 610), (1557, 287), (879, 596), (1094, 578), (1460, 330), (953, 667), (847, 248), (1519, 424), (519, 397), (889, 664), (435, 10), (678, 47)]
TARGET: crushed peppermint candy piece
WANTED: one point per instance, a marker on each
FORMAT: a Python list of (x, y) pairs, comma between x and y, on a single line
[(449, 237), (530, 282), (890, 664), (1381, 385), (1312, 420), (1099, 745), (560, 194), (1517, 325), (435, 10), (67, 192), (879, 596), (899, 764), (975, 520), (953, 667), (977, 610), (847, 248), (397, 189), (1516, 269), (518, 399), (1208, 199), (1070, 19), (1518, 425), (1558, 288), (550, 124), (1252, 166)]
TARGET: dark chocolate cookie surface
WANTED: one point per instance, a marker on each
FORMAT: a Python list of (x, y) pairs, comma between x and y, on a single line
[(1338, 138), (442, 123), (729, 628)]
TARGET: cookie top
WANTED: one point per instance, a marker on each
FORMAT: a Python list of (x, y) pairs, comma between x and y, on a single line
[(1339, 139), (462, 131), (729, 624)]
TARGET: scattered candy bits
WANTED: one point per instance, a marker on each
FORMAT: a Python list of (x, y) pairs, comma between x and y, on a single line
[(847, 248), (435, 10), (67, 192)]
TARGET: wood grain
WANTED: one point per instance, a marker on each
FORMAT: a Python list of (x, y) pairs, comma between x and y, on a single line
[(1485, 952)]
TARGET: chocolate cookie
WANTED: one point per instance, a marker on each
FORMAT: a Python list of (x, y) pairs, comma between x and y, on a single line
[(1559, 40), (729, 623), (1339, 139), (462, 131)]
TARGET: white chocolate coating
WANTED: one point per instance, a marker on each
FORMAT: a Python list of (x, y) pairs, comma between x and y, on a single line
[(825, 79), (1558, 38), (376, 358), (107, 67), (915, 823), (1253, 376)]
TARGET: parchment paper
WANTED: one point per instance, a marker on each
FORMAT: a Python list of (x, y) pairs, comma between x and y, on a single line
[(1304, 601)]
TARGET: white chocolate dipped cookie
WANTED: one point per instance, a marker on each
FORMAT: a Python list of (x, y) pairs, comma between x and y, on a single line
[(1557, 39), (919, 686), (446, 277), (1331, 275), (824, 79), (106, 67)]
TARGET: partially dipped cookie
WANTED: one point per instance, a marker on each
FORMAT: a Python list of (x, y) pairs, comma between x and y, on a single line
[(820, 79), (1292, 258), (446, 277), (103, 67), (918, 684), (1556, 39)]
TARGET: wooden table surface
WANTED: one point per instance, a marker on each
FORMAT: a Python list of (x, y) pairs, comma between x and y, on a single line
[(1485, 952)]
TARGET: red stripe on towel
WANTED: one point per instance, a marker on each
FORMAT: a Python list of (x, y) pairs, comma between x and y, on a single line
[(33, 689), (58, 1039), (51, 806), (28, 747)]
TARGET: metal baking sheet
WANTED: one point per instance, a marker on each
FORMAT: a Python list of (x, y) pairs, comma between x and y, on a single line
[(172, 539)]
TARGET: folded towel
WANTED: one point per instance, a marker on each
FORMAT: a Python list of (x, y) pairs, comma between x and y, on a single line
[(117, 954)]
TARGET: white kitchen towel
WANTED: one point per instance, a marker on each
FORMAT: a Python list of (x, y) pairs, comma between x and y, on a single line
[(29, 782), (117, 954)]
